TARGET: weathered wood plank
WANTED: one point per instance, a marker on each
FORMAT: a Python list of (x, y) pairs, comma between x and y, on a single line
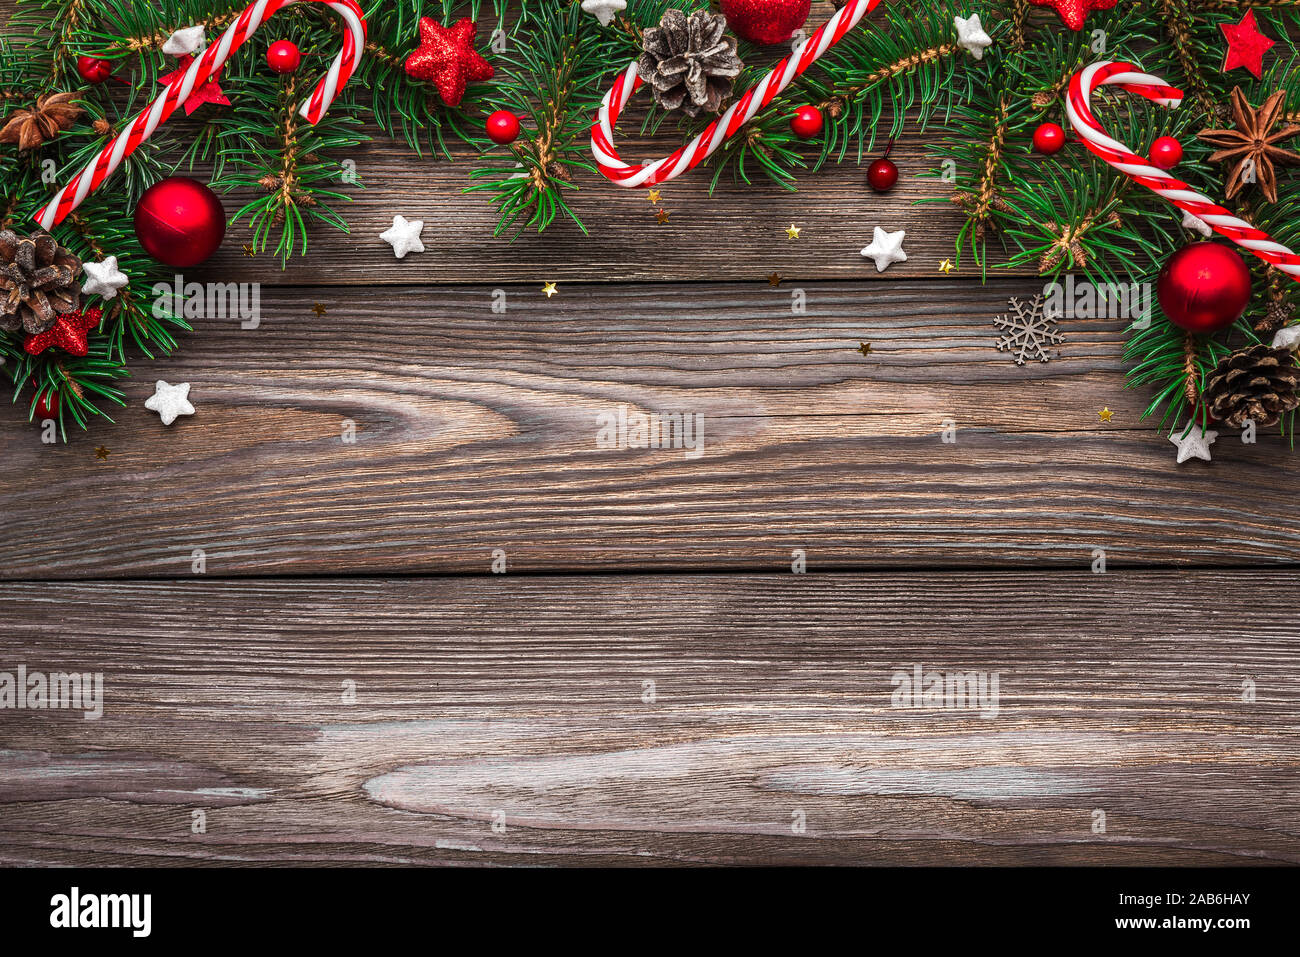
[(477, 431), (526, 697)]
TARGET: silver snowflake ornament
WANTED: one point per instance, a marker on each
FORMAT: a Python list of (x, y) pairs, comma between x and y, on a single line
[(1029, 330)]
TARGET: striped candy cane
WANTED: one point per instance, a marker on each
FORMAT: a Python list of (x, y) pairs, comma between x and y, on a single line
[(740, 112), (1079, 109), (200, 71)]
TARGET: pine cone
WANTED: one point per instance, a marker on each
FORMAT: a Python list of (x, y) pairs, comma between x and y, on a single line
[(1257, 383), (690, 62), (38, 281)]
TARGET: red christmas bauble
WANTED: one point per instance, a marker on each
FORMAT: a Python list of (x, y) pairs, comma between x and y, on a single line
[(92, 70), (765, 21), (1166, 152), (179, 221), (283, 56), (1049, 138), (502, 127), (47, 404), (882, 174), (1204, 287), (806, 122)]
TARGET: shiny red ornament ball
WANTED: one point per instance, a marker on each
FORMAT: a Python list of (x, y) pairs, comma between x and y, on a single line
[(93, 70), (283, 56), (806, 122), (47, 403), (179, 221), (882, 174), (1049, 138), (502, 127), (765, 21), (1166, 152), (1204, 287)]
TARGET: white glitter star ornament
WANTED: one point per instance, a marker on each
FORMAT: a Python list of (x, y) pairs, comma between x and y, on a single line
[(185, 40), (1195, 444), (886, 248), (971, 36), (604, 10), (169, 401), (103, 278), (404, 236)]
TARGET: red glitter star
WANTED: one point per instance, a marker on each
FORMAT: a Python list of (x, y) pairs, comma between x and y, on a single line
[(1074, 12), (1246, 45), (446, 58), (209, 92), (68, 333)]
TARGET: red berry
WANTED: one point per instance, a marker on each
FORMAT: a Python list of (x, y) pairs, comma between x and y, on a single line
[(502, 127), (1166, 152), (1049, 138), (882, 174), (93, 70), (806, 122), (283, 56), (47, 404)]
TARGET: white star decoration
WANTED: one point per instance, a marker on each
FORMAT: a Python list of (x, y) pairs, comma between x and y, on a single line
[(404, 236), (971, 36), (1198, 224), (1195, 445), (604, 10), (1288, 337), (169, 401), (185, 40), (103, 278), (886, 248)]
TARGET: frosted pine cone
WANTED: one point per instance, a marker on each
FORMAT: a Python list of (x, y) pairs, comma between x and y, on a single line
[(690, 62)]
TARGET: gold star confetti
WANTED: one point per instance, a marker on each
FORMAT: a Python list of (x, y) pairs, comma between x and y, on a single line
[(662, 216), (249, 250), (864, 348), (653, 195), (946, 266), (774, 279), (1105, 414), (792, 231), (319, 309), (101, 452), (548, 288)]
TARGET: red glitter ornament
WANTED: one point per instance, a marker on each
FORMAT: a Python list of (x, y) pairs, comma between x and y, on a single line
[(283, 56), (68, 333), (1204, 287), (766, 21), (93, 70), (1049, 138), (882, 174), (1074, 12), (179, 221), (502, 127), (806, 122), (1246, 45), (1166, 152), (446, 58)]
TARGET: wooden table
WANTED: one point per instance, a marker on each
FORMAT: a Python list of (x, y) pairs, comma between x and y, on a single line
[(307, 657)]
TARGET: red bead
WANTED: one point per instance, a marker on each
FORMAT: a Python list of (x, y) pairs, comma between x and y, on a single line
[(1166, 152), (93, 70), (765, 21), (47, 403), (882, 174), (1049, 138), (502, 127), (806, 122), (1204, 287), (283, 56), (180, 222)]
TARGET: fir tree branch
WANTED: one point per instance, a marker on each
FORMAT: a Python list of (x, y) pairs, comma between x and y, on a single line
[(1178, 22)]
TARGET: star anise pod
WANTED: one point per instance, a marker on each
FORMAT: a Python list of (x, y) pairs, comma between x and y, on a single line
[(52, 113), (1252, 146)]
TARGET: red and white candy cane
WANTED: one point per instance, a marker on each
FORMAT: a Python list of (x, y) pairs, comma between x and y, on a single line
[(725, 126), (1078, 108), (178, 91)]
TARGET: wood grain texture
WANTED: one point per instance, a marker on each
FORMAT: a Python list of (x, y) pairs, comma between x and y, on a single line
[(772, 694)]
